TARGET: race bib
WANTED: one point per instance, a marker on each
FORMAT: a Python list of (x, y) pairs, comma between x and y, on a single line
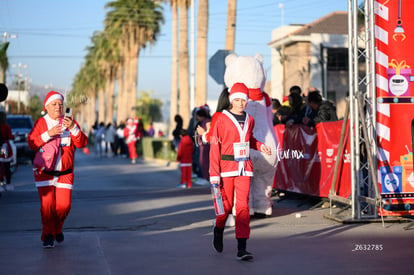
[(241, 151), (65, 138)]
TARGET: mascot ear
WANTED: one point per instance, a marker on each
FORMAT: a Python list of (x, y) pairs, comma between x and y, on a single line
[(230, 59), (259, 57)]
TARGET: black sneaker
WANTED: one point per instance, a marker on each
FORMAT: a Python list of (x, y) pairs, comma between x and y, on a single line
[(243, 255), (218, 239), (257, 215), (49, 242), (60, 237)]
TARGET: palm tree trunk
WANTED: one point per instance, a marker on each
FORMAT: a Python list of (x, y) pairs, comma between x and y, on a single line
[(231, 24), (81, 115), (201, 74), (101, 97), (133, 80), (122, 87), (184, 92), (91, 119), (174, 67), (2, 76), (110, 84)]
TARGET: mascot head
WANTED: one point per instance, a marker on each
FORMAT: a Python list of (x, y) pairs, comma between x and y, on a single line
[(245, 69)]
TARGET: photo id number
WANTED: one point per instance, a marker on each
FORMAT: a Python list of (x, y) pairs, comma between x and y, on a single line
[(368, 247)]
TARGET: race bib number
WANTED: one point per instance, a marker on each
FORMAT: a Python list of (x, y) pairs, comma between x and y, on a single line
[(65, 139), (241, 151)]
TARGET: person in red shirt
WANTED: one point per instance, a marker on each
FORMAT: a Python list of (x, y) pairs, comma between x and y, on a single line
[(185, 157), (230, 142), (55, 186)]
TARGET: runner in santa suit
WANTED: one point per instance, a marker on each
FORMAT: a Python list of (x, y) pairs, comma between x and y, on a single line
[(131, 135), (229, 161), (55, 187)]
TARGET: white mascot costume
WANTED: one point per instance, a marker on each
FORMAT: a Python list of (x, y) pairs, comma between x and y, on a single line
[(249, 70)]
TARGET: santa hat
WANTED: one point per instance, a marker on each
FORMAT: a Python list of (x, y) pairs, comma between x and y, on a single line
[(238, 90), (52, 95)]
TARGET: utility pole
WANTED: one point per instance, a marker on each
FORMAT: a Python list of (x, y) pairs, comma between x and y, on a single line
[(19, 66)]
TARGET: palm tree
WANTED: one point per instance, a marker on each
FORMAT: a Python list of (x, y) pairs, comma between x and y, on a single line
[(97, 55), (174, 66), (107, 55), (184, 91), (4, 61), (201, 74), (138, 24), (231, 24), (87, 82)]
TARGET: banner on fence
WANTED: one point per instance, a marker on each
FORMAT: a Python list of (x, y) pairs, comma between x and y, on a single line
[(307, 159)]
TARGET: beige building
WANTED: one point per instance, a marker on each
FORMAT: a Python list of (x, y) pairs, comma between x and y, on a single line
[(312, 55)]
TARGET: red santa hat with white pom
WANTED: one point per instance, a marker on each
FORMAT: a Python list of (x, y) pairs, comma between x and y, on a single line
[(52, 95), (239, 90)]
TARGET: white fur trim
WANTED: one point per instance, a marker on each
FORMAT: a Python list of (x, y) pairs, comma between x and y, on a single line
[(53, 97), (237, 95), (75, 130)]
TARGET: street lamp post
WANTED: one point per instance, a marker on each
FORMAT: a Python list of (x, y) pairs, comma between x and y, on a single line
[(282, 14), (8, 35)]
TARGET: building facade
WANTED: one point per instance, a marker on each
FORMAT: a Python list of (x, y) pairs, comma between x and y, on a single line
[(312, 55)]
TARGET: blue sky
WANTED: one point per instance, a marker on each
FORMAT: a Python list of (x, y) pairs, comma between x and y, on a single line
[(52, 36)]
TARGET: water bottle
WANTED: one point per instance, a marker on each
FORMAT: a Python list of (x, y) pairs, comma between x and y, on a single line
[(217, 199)]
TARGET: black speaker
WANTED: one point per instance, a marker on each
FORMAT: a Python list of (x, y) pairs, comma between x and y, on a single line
[(3, 92)]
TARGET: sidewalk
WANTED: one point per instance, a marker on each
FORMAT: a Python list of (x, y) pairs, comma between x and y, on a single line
[(130, 219)]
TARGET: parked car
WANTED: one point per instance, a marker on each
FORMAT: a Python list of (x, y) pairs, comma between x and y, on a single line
[(21, 125)]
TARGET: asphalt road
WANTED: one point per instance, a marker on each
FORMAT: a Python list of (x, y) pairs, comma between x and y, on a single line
[(130, 219)]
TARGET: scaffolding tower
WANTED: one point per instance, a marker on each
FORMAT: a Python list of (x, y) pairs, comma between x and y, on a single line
[(365, 199)]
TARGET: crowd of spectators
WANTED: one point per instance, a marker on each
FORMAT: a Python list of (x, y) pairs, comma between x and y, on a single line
[(298, 108)]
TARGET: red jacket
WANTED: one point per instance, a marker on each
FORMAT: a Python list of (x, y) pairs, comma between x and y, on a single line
[(70, 140), (226, 132), (185, 150)]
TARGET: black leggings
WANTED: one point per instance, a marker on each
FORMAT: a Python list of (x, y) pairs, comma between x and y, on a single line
[(5, 166)]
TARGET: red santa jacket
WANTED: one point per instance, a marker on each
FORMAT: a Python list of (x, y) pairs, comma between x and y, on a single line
[(131, 133), (185, 151), (70, 139), (226, 132)]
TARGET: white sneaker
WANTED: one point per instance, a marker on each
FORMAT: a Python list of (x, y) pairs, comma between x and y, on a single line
[(9, 187), (183, 186), (201, 181)]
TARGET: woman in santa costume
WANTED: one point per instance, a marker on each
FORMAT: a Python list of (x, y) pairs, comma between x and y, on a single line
[(55, 186), (131, 135), (229, 162)]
